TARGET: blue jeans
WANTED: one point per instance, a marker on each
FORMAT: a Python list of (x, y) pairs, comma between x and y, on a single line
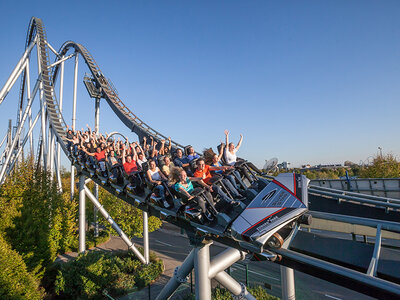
[(221, 193), (227, 182), (160, 190), (239, 179)]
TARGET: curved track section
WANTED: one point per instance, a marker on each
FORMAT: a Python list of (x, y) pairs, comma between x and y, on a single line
[(36, 30), (133, 122)]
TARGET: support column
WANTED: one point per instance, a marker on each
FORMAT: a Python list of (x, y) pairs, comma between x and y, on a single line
[(28, 95), (43, 118), (114, 225), (74, 119), (146, 237), (60, 105), (72, 182), (179, 277), (287, 283), (82, 216), (96, 187), (201, 267), (236, 288)]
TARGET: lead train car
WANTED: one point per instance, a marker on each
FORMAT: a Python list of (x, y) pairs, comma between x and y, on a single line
[(281, 202)]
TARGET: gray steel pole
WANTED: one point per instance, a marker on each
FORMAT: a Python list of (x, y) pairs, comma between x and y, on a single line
[(16, 72), (43, 118), (201, 267), (114, 225), (72, 181), (28, 95), (146, 237), (287, 283), (82, 215), (18, 132), (60, 105), (236, 288), (74, 119), (75, 90), (96, 187), (179, 277), (224, 260)]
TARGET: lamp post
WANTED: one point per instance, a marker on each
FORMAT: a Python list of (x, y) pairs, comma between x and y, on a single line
[(380, 151)]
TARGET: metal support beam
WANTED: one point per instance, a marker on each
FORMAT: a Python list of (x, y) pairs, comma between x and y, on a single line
[(16, 72), (236, 288), (75, 90), (23, 143), (287, 283), (201, 267), (373, 266), (82, 215), (180, 276), (42, 105), (28, 95), (146, 237), (72, 182), (224, 260), (114, 225), (96, 187), (17, 134)]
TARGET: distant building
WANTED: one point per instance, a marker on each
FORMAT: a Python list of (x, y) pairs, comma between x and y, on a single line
[(283, 165)]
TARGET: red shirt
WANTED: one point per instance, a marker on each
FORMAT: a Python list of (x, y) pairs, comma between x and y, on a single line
[(130, 167), (100, 155), (205, 174)]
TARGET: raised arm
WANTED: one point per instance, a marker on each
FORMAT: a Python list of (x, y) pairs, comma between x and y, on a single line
[(226, 137), (123, 154), (240, 142), (140, 147), (153, 153), (133, 147), (144, 143), (170, 144), (221, 151), (162, 147)]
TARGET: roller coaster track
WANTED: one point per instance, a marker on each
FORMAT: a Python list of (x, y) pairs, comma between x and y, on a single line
[(36, 33)]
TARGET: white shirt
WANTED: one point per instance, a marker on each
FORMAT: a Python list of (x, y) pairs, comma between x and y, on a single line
[(230, 158), (155, 175)]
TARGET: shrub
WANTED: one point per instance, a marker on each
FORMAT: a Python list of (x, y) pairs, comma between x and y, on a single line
[(222, 294), (92, 272), (15, 281)]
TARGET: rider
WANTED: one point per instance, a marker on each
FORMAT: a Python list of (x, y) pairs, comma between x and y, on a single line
[(185, 187), (203, 172)]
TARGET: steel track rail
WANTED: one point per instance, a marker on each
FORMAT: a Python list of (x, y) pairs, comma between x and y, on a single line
[(133, 122)]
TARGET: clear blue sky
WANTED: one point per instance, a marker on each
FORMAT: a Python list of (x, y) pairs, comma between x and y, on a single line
[(305, 81)]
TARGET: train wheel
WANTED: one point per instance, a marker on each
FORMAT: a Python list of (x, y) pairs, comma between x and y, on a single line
[(275, 241)]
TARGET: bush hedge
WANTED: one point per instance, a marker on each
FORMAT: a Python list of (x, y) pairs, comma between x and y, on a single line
[(222, 294), (95, 271), (15, 280)]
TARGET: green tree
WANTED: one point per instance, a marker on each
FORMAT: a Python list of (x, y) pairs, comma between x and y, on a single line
[(383, 166), (15, 280)]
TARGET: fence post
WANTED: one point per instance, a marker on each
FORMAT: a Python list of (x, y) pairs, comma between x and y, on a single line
[(247, 274)]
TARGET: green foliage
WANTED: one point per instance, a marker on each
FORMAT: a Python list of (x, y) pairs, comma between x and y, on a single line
[(15, 281), (222, 294), (92, 272), (44, 218), (260, 294), (91, 240), (383, 166)]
